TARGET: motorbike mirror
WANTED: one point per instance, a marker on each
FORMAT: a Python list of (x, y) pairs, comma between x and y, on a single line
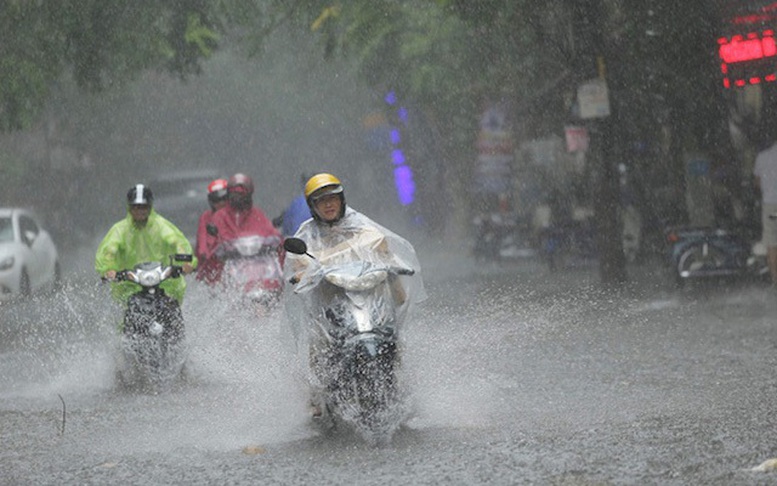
[(211, 229), (182, 257), (296, 246)]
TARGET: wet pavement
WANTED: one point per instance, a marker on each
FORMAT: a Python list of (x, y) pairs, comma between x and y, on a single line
[(517, 376)]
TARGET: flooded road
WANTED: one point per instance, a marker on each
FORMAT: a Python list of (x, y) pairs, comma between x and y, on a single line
[(516, 377)]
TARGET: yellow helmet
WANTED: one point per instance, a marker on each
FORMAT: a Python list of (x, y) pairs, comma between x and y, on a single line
[(320, 181), (320, 185)]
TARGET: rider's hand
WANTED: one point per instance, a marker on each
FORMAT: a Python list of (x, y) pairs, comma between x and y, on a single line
[(187, 268), (110, 274)]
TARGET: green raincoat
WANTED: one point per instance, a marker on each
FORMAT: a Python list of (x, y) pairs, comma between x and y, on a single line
[(126, 245)]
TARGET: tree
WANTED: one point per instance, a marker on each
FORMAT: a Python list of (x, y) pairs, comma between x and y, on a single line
[(100, 43), (444, 56), (447, 58)]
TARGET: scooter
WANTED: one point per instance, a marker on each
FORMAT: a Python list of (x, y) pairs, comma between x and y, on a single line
[(356, 320), (252, 269), (702, 252), (500, 236), (153, 338), (574, 238)]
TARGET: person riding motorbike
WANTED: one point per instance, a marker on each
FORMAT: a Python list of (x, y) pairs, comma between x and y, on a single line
[(142, 236), (240, 218), (339, 234), (209, 267)]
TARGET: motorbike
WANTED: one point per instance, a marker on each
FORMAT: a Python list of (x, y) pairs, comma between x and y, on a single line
[(252, 269), (573, 238), (355, 356), (500, 236), (703, 252), (153, 338)]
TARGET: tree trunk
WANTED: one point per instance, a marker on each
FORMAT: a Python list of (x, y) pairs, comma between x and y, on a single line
[(612, 261)]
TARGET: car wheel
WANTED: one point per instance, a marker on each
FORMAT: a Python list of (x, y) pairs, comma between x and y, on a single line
[(24, 284)]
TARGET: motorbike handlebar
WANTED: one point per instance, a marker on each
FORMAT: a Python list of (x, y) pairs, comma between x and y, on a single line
[(121, 275), (225, 254), (398, 271)]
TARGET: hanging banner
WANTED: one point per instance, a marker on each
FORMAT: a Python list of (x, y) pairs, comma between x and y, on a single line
[(576, 138)]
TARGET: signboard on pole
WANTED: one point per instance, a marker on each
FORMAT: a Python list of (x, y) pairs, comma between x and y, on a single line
[(493, 166), (593, 99)]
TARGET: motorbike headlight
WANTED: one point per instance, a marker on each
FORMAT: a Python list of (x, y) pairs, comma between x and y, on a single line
[(362, 319), (149, 279), (7, 263), (256, 295)]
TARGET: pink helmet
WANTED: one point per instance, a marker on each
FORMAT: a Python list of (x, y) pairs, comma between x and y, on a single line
[(217, 190), (240, 180)]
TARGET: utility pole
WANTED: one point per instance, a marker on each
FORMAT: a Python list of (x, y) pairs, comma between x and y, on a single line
[(593, 56)]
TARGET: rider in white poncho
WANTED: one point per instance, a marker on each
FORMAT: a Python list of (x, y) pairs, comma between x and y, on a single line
[(338, 234)]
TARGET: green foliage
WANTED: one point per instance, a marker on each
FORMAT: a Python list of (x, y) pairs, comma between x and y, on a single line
[(12, 170), (100, 43), (29, 61), (23, 90), (200, 36), (445, 57)]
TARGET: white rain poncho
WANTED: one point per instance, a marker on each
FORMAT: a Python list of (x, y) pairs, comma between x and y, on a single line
[(354, 238)]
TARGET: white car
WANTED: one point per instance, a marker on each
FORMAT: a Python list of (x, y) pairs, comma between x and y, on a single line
[(28, 257)]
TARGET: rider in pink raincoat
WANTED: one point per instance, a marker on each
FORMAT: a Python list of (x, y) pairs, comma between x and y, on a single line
[(210, 268), (241, 218)]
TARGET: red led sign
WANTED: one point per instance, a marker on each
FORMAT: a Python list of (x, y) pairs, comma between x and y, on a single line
[(748, 59)]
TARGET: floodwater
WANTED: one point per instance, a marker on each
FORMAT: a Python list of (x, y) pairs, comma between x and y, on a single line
[(516, 376)]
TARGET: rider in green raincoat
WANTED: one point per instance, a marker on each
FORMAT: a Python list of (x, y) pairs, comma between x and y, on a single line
[(142, 236)]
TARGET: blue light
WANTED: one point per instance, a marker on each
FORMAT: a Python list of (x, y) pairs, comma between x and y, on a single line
[(397, 157), (403, 174), (403, 180), (402, 114), (390, 98)]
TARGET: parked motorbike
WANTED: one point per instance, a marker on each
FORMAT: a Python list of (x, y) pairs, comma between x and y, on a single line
[(153, 338), (356, 319), (571, 239), (698, 253), (575, 239), (501, 236)]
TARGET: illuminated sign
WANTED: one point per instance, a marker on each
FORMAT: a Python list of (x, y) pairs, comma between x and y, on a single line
[(748, 59), (403, 174)]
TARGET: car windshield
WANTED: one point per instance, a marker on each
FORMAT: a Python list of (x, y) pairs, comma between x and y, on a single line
[(6, 230)]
